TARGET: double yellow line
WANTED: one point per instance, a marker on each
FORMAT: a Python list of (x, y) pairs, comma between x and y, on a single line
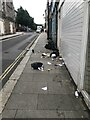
[(6, 72)]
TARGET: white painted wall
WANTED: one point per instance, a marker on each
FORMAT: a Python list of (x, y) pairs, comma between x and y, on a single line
[(1, 26), (11, 27)]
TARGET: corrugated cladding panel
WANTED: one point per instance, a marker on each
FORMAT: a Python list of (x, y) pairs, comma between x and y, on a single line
[(87, 70), (71, 35)]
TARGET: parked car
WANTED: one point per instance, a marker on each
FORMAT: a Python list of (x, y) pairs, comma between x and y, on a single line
[(38, 30)]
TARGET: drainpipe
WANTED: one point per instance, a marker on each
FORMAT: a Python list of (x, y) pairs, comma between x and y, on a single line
[(48, 19), (56, 22)]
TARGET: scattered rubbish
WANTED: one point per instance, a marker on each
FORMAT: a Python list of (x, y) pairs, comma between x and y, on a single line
[(61, 114), (37, 65), (41, 68), (60, 58), (50, 45), (44, 88), (48, 54), (63, 63), (76, 94), (27, 49), (59, 65), (52, 59), (32, 51), (55, 53), (49, 63), (44, 54), (49, 69)]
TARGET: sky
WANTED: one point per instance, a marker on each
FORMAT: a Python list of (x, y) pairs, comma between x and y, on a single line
[(36, 8)]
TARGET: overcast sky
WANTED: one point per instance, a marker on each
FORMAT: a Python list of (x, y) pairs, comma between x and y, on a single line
[(35, 8)]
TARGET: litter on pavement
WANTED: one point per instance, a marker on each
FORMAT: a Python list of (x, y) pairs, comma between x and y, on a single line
[(32, 51), (76, 94), (27, 49), (37, 65), (54, 54), (45, 55), (49, 63), (59, 65), (44, 88), (63, 63), (49, 69), (60, 58), (41, 68)]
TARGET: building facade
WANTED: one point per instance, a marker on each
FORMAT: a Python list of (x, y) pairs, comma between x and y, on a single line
[(70, 31), (8, 17), (1, 20)]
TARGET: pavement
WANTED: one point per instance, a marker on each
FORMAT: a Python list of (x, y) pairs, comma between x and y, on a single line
[(48, 93), (10, 36)]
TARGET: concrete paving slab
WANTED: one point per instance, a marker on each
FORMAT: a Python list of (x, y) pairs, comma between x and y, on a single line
[(26, 77), (77, 115), (9, 114), (42, 77), (37, 114), (30, 87), (28, 69), (8, 88), (22, 101), (60, 102), (59, 88)]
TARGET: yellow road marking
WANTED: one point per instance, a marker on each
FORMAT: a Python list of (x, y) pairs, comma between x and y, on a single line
[(15, 62)]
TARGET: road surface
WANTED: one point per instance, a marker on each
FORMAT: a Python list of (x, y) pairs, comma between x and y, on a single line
[(12, 47)]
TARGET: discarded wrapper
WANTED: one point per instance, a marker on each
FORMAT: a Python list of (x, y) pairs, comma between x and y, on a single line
[(49, 69), (76, 94), (53, 56), (44, 54), (52, 59), (49, 63), (44, 88), (59, 65), (60, 58)]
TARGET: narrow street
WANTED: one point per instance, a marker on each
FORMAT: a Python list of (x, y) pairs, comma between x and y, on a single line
[(42, 94), (45, 60), (12, 47)]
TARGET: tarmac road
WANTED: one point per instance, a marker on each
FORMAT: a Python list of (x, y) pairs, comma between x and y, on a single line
[(12, 47)]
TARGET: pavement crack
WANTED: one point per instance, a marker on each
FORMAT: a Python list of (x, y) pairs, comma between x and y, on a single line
[(16, 113)]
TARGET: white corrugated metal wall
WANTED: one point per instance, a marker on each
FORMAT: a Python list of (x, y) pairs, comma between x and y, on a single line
[(71, 35), (87, 67)]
